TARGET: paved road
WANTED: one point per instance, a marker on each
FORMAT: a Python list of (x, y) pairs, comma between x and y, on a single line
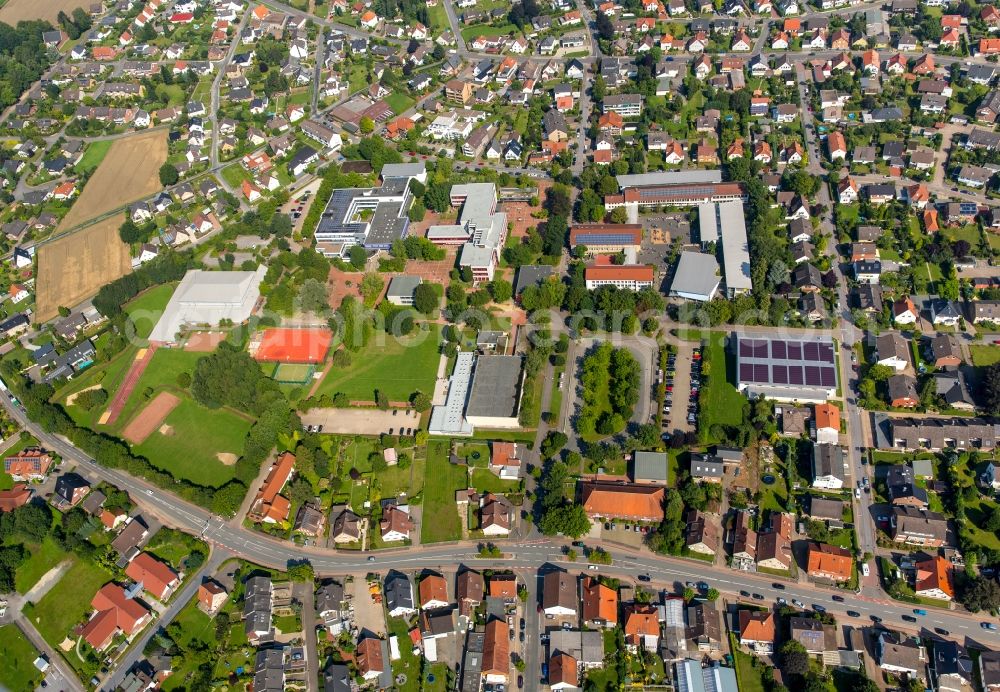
[(216, 90), (307, 596), (529, 555)]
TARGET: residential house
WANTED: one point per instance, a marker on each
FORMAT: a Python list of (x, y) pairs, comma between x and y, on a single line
[(757, 630), (903, 391), (828, 466), (398, 592), (827, 421), (559, 594), (600, 604), (900, 654), (934, 578), (157, 577), (918, 527), (892, 350), (829, 562)]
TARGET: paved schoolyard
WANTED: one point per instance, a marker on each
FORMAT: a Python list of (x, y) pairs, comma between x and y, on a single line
[(361, 421)]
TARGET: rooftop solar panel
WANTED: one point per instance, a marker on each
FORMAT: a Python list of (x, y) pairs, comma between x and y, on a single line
[(786, 363), (812, 376), (829, 377), (780, 374)]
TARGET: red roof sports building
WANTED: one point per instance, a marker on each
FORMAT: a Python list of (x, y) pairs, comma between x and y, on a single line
[(294, 345)]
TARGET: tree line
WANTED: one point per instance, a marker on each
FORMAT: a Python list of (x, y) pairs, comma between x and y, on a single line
[(23, 58)]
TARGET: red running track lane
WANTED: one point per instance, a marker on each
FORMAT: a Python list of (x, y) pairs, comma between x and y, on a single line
[(131, 380)]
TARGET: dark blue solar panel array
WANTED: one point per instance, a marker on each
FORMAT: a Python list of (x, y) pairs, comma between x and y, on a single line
[(788, 363), (605, 238)]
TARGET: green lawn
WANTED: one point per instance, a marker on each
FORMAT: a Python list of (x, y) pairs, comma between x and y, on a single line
[(721, 403), (235, 175), (17, 657), (983, 355), (92, 157), (748, 676), (969, 233), (488, 482), (41, 559), (145, 309), (438, 17), (197, 435), (395, 480), (398, 102), (66, 605), (440, 520), (411, 361), (471, 33)]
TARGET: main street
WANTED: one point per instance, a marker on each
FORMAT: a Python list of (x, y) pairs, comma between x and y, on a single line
[(665, 571)]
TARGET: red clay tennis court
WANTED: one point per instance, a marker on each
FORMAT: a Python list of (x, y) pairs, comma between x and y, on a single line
[(287, 345)]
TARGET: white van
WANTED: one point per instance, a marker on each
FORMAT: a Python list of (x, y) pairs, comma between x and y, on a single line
[(864, 569)]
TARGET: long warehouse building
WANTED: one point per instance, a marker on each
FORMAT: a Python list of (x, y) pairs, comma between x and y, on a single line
[(732, 227)]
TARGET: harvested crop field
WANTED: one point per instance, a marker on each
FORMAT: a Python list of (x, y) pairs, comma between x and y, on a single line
[(73, 267), (150, 418), (204, 342), (130, 171), (14, 11)]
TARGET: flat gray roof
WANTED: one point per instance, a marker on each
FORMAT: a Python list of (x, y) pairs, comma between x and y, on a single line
[(403, 286), (403, 170), (708, 223), (496, 387), (669, 178), (697, 276), (735, 246), (650, 466), (449, 418)]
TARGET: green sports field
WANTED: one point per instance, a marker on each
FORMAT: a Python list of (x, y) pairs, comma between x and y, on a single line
[(196, 435), (295, 373), (397, 367)]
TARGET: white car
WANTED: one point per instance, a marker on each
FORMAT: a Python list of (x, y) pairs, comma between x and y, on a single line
[(864, 569)]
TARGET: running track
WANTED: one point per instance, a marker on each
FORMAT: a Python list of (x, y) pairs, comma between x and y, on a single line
[(131, 380)]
